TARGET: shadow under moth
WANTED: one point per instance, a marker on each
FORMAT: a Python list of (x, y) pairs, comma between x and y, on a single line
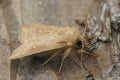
[(36, 39)]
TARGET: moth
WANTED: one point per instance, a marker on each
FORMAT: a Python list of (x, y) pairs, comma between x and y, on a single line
[(36, 39)]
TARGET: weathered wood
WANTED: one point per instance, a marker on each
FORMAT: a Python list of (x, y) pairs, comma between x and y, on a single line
[(62, 13), (12, 26), (4, 49)]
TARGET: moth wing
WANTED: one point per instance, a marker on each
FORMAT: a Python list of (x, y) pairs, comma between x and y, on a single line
[(40, 38), (27, 49), (32, 32)]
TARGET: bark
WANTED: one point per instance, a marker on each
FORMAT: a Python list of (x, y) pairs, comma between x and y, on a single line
[(102, 19)]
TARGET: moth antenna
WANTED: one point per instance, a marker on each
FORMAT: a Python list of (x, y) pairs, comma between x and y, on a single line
[(83, 43), (66, 53)]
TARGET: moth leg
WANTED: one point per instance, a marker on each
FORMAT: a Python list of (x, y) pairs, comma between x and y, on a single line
[(75, 58), (86, 52), (53, 56), (83, 44), (66, 53), (82, 51)]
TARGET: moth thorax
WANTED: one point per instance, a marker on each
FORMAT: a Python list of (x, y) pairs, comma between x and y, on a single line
[(76, 34)]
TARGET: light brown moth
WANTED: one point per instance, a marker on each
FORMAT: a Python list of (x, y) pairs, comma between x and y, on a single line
[(40, 38)]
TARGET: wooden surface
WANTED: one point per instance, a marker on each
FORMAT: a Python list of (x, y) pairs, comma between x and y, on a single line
[(62, 13), (4, 49)]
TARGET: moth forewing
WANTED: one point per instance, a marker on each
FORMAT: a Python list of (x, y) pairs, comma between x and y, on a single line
[(40, 38), (34, 32), (27, 49)]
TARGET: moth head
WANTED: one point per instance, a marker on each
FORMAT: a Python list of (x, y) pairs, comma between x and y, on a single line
[(78, 38)]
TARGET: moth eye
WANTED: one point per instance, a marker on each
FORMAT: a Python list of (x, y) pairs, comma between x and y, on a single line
[(78, 45)]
